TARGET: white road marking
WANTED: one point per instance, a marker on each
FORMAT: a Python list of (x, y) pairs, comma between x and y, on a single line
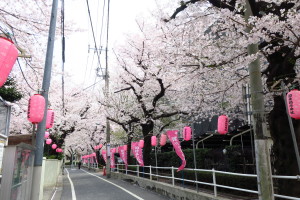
[(54, 193), (115, 185), (72, 187)]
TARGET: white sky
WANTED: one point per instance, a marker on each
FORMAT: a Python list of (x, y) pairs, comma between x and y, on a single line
[(122, 21)]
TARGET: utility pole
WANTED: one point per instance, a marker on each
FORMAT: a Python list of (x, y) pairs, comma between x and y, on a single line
[(262, 152), (108, 174), (37, 189)]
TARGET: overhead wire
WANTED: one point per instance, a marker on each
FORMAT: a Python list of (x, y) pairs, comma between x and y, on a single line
[(63, 46), (93, 33)]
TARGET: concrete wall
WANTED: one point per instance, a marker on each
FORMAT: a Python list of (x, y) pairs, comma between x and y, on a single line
[(51, 171), (172, 192)]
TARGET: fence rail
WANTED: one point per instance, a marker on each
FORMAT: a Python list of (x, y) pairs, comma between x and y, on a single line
[(214, 184)]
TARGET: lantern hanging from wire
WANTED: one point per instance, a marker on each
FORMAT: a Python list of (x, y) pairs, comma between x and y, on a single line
[(54, 146), (46, 134), (8, 57), (48, 141), (293, 103), (36, 108), (50, 119), (187, 133), (141, 143), (153, 141), (223, 123), (163, 139)]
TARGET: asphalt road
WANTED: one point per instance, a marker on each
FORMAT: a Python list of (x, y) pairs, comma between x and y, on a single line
[(85, 185)]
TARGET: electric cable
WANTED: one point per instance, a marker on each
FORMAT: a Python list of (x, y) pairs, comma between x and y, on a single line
[(95, 43), (63, 55), (24, 76)]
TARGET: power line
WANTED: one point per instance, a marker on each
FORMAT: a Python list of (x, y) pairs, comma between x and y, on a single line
[(63, 55), (95, 43), (24, 76)]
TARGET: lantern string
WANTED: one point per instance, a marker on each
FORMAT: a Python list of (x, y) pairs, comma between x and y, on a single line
[(24, 76)]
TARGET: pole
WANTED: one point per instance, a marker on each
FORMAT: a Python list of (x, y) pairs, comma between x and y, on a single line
[(194, 154), (37, 189), (263, 164), (291, 126), (108, 174)]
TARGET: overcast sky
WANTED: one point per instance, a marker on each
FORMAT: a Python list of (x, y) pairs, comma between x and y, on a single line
[(123, 16)]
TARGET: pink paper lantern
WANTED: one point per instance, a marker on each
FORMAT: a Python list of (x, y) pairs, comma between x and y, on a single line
[(153, 141), (50, 118), (46, 134), (293, 103), (54, 146), (100, 146), (141, 143), (48, 141), (223, 123), (8, 57), (163, 139), (187, 133), (36, 108)]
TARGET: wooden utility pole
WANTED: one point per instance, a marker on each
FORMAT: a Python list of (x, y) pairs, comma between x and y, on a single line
[(261, 136)]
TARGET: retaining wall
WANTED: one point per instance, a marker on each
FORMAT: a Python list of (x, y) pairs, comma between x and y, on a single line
[(51, 171), (172, 192)]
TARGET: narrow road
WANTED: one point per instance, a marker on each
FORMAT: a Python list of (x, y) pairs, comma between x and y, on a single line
[(85, 185)]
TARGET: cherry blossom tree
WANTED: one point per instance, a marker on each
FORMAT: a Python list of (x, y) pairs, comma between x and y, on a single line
[(275, 28)]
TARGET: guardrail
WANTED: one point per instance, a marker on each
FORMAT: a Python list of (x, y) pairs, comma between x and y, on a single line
[(214, 183)]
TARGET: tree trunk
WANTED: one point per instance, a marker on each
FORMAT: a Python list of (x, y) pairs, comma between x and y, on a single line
[(129, 159), (282, 66), (147, 130)]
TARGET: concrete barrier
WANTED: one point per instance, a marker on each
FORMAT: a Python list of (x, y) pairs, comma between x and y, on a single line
[(172, 192), (51, 172)]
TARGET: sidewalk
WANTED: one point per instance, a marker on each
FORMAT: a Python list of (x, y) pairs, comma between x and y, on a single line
[(54, 193)]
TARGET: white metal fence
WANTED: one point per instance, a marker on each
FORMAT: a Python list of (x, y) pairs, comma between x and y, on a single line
[(214, 184)]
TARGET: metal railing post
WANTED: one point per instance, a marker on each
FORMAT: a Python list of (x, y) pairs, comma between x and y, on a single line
[(173, 180), (150, 171), (214, 182), (126, 170), (138, 171)]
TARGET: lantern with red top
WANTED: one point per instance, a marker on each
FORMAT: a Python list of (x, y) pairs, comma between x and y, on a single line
[(36, 108), (187, 133), (50, 119), (153, 140), (293, 103), (8, 57), (223, 123), (163, 139)]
